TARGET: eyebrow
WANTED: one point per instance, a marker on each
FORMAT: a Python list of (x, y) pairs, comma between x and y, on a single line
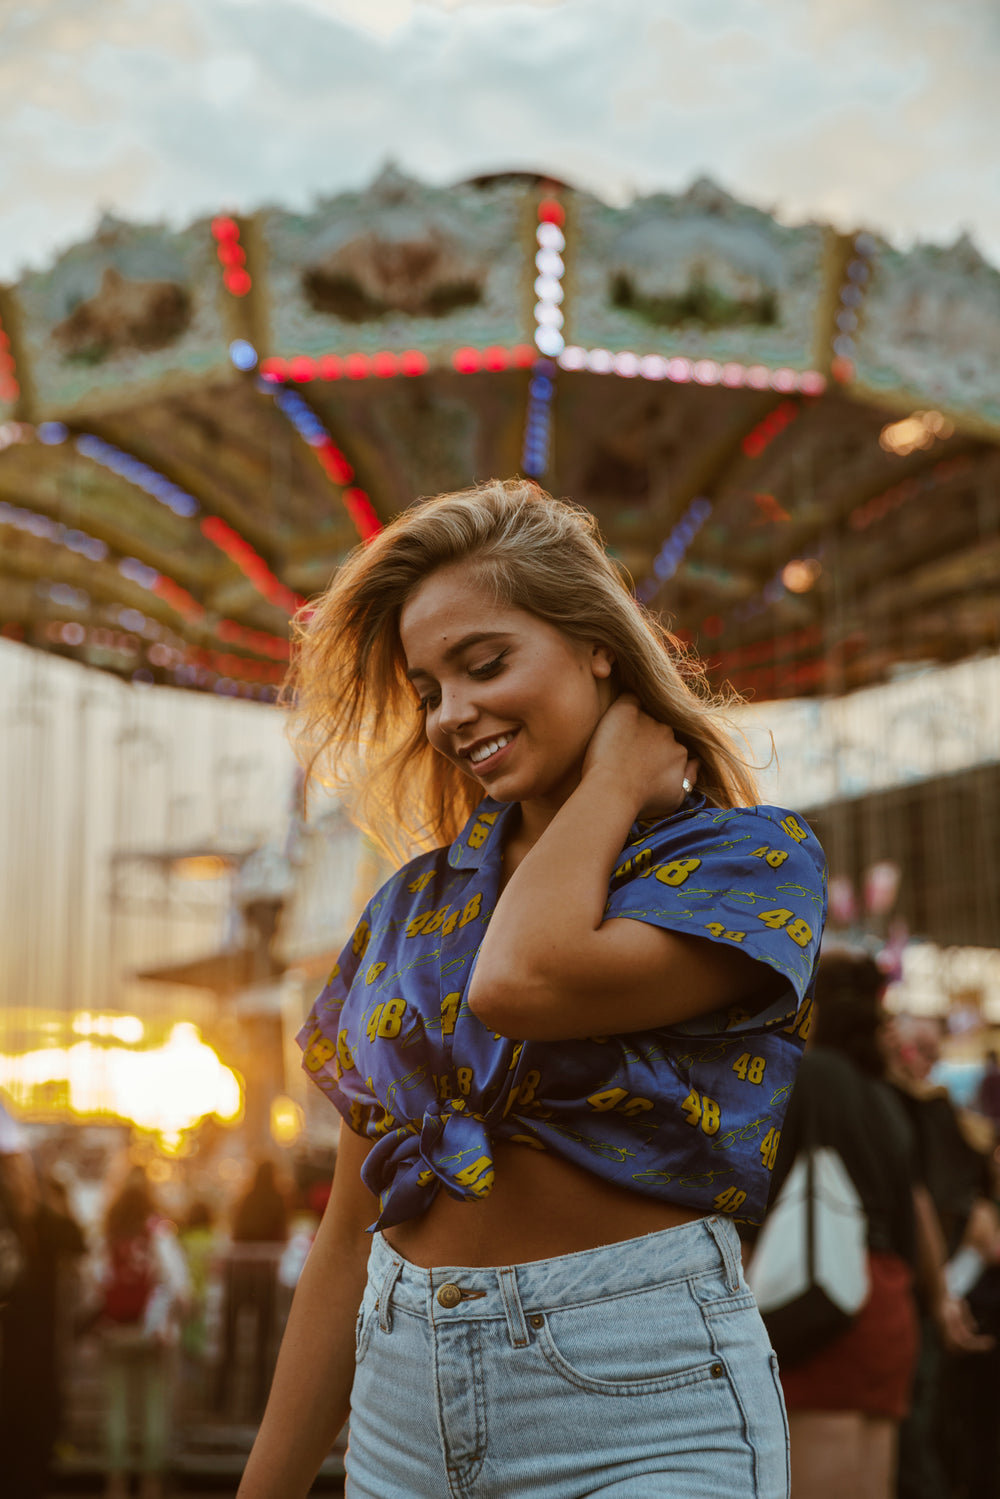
[(478, 637)]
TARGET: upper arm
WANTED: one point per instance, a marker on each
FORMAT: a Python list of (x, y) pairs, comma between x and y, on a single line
[(724, 909), (636, 977)]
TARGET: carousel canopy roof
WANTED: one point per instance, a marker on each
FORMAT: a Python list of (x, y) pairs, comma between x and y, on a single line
[(789, 435)]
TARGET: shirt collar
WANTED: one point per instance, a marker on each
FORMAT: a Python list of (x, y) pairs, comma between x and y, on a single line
[(463, 855), (483, 850)]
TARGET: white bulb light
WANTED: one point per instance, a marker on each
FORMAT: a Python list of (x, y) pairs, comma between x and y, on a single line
[(549, 263), (550, 342), (551, 237), (547, 289)]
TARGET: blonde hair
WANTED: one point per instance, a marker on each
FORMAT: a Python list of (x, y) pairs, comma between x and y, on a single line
[(353, 721)]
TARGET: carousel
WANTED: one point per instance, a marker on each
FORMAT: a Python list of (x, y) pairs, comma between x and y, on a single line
[(789, 435)]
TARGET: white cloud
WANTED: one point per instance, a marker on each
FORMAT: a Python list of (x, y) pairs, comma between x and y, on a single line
[(875, 112)]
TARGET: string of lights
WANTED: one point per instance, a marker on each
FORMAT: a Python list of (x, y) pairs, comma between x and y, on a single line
[(231, 255), (551, 268), (683, 371), (880, 505), (250, 563), (857, 275), (671, 554), (302, 369), (276, 647), (768, 428), (10, 386), (47, 529), (336, 466), (178, 500)]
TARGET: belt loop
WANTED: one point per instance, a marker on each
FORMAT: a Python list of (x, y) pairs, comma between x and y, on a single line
[(385, 1290), (513, 1310), (723, 1233)]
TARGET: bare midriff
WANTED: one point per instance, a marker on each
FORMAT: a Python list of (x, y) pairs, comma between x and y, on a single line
[(540, 1206)]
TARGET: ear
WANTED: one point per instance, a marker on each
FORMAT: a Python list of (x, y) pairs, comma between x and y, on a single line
[(602, 661)]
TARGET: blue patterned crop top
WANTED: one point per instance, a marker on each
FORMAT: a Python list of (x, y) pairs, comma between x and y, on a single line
[(689, 1113)]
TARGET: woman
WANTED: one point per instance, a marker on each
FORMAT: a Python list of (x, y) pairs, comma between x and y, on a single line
[(847, 1398), (562, 1040), (145, 1288)]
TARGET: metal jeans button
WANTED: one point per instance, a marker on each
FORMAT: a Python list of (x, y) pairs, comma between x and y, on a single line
[(449, 1295)]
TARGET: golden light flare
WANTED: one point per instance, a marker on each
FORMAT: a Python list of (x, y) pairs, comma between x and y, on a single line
[(104, 1067), (801, 574), (921, 430), (287, 1120), (200, 867)]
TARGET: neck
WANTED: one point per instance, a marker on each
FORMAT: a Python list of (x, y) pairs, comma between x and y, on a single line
[(537, 812)]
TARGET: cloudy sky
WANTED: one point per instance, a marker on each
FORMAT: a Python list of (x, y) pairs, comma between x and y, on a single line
[(882, 113)]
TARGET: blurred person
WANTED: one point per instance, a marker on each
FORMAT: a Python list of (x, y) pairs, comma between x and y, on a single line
[(953, 1155), (197, 1238), (970, 1386), (538, 1034), (847, 1399), (34, 1328), (145, 1290), (250, 1289), (988, 1091)]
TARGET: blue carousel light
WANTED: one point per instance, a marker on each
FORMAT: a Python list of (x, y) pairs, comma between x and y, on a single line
[(671, 554), (243, 354)]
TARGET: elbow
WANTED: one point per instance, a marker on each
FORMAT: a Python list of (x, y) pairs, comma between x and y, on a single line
[(520, 1007), (494, 1004)]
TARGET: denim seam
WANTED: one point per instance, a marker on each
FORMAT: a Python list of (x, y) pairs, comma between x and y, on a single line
[(775, 1375), (729, 1255), (517, 1328), (385, 1291), (744, 1422), (720, 1308), (461, 1475)]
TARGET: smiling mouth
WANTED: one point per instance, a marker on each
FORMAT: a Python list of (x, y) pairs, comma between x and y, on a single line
[(480, 753)]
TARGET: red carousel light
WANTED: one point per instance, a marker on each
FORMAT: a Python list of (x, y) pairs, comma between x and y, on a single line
[(231, 255), (551, 212), (412, 362)]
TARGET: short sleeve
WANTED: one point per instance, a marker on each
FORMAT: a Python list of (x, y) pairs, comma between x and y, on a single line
[(321, 1039), (752, 877)]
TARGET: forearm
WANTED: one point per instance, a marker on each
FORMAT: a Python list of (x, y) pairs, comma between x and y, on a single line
[(310, 1394), (554, 902)]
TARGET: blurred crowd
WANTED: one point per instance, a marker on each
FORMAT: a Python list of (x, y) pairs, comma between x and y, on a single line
[(905, 1400), (172, 1299), (169, 1304)]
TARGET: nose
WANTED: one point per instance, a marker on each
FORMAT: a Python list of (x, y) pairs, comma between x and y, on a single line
[(455, 711)]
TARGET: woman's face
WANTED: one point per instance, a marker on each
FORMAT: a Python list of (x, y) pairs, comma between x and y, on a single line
[(510, 699)]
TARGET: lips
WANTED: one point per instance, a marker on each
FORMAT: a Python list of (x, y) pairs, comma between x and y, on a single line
[(484, 750)]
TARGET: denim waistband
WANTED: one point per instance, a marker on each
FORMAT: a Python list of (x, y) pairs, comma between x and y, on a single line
[(709, 1245)]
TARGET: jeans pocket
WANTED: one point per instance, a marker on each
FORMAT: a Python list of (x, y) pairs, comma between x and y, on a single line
[(643, 1342)]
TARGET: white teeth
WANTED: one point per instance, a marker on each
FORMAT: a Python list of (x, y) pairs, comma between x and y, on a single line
[(486, 750)]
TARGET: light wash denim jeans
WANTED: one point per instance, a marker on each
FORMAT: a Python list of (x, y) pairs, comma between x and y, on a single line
[(639, 1370)]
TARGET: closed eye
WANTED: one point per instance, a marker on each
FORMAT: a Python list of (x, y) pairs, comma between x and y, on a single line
[(480, 673), (489, 669)]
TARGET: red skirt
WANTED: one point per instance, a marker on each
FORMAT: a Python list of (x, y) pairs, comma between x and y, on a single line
[(870, 1367)]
